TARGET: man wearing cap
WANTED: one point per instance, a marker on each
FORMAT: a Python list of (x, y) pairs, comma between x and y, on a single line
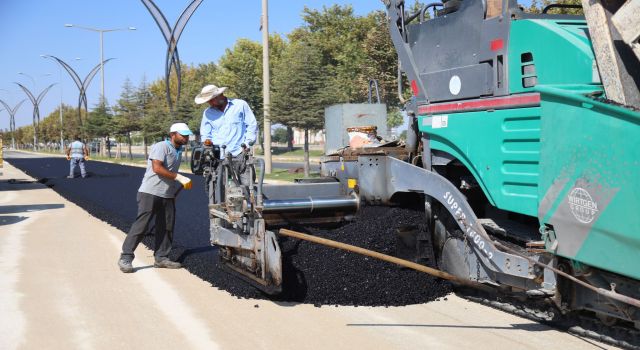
[(156, 198), (227, 122)]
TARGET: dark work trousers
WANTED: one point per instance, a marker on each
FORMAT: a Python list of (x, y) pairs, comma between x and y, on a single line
[(164, 210)]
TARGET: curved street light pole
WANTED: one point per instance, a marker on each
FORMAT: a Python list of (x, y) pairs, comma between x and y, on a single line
[(101, 31), (36, 111), (82, 85), (171, 36), (12, 119), (30, 77), (61, 119)]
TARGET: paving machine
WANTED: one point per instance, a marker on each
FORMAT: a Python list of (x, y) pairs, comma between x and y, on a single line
[(241, 208), (523, 147), (528, 145)]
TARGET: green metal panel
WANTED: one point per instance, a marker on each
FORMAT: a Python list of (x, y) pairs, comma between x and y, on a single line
[(590, 179), (500, 148), (560, 50)]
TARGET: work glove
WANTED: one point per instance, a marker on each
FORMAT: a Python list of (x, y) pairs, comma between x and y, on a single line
[(185, 181), (86, 158), (68, 158)]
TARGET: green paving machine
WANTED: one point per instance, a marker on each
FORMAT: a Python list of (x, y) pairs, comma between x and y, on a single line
[(523, 146)]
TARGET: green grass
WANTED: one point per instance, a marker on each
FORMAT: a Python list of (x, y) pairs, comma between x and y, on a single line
[(297, 152), (276, 173), (284, 175)]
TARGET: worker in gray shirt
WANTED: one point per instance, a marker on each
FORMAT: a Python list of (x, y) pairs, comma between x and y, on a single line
[(77, 155), (156, 198)]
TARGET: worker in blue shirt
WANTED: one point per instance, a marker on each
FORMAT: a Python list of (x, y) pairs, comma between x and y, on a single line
[(227, 122)]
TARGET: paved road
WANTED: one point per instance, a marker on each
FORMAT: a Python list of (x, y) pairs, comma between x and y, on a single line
[(277, 164), (20, 155), (60, 289), (109, 193)]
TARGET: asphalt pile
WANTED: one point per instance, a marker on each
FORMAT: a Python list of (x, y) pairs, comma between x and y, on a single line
[(312, 273)]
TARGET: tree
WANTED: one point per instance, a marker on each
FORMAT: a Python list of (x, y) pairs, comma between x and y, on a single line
[(241, 71), (564, 11), (127, 116), (382, 65), (338, 35), (298, 91), (100, 123), (354, 51), (280, 135)]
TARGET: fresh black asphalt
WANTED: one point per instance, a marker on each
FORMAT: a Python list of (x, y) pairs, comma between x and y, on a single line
[(312, 274)]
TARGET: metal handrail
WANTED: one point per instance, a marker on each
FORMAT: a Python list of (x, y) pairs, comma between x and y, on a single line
[(374, 82)]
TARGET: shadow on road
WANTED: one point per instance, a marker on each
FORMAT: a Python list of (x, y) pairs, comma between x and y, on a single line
[(19, 185), (12, 209), (10, 219), (530, 327)]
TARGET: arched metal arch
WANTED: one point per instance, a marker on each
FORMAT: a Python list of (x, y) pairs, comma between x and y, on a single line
[(36, 110), (171, 37), (82, 85), (12, 119)]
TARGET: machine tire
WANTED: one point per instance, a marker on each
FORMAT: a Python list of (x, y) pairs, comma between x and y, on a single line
[(448, 245)]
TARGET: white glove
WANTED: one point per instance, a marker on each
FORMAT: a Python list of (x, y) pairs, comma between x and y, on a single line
[(185, 181)]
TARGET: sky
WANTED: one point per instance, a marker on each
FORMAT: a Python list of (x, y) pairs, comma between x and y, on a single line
[(30, 28)]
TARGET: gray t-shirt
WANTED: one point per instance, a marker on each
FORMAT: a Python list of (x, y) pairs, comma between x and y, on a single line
[(157, 185)]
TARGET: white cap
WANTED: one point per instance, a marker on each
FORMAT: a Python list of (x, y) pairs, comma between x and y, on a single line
[(181, 128)]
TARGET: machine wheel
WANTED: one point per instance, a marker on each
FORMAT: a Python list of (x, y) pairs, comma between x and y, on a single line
[(448, 245), (452, 259)]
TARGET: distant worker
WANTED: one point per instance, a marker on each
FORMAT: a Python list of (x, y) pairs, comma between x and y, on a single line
[(77, 155), (156, 198), (228, 122)]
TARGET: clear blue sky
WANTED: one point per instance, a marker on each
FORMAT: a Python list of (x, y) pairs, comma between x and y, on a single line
[(33, 27)]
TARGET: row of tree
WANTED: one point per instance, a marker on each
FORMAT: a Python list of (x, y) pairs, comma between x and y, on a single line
[(329, 59)]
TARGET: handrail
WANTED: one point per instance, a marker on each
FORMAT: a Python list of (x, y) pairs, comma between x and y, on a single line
[(374, 82)]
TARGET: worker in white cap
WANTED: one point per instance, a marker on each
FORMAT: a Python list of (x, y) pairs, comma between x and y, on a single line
[(156, 198)]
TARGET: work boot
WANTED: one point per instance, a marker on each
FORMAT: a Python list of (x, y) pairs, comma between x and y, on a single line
[(125, 265), (165, 263)]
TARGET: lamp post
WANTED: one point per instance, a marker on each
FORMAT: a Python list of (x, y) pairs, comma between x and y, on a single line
[(61, 121), (101, 31), (12, 118), (30, 77), (266, 95), (36, 111)]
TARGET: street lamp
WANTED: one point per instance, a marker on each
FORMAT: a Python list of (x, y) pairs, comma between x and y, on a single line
[(101, 31), (61, 122), (35, 86), (30, 77)]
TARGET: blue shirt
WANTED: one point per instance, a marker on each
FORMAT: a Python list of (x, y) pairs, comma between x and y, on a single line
[(232, 127)]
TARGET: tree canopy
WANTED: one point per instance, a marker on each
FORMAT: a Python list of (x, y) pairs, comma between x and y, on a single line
[(329, 59)]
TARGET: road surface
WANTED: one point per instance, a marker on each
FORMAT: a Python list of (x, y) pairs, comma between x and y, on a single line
[(60, 288)]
